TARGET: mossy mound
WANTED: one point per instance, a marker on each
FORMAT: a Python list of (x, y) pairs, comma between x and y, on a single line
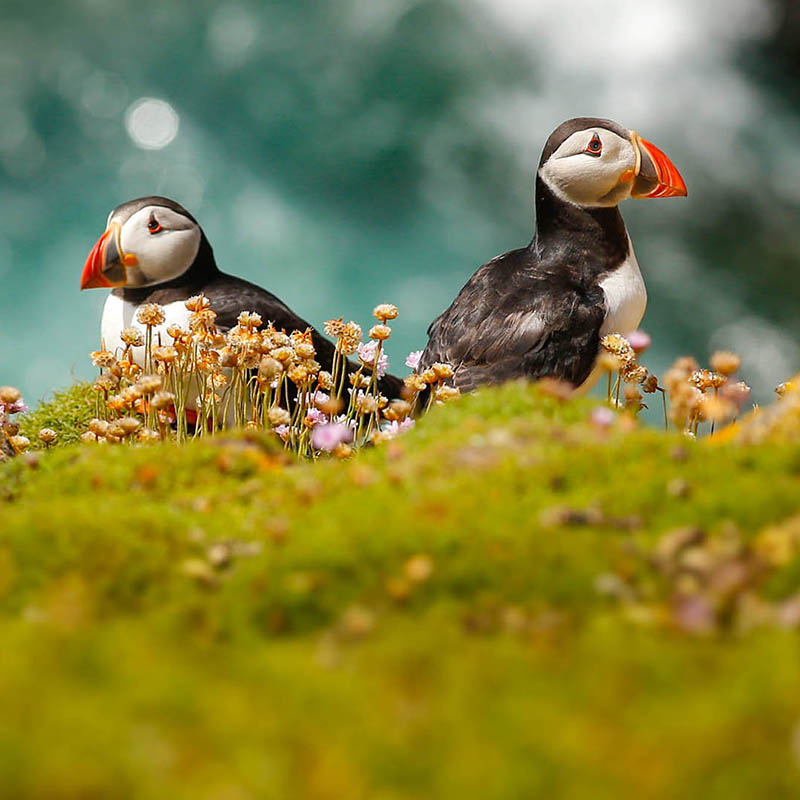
[(506, 602)]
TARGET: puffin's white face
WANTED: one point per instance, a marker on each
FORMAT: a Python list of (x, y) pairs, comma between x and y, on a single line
[(592, 167), (151, 246), (164, 243)]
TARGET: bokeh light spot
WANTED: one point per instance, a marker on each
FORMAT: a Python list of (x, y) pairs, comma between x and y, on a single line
[(151, 123)]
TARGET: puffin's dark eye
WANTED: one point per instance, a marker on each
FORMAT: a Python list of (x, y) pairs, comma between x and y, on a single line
[(154, 226), (595, 146)]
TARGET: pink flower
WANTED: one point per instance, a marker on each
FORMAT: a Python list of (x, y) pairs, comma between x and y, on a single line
[(316, 416), (602, 417), (282, 431), (639, 340), (412, 360), (366, 354), (395, 427), (326, 437), (738, 393)]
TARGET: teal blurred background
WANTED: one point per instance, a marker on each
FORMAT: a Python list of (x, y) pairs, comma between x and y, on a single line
[(350, 152)]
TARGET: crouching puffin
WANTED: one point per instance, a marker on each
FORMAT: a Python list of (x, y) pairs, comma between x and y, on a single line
[(154, 251), (540, 311)]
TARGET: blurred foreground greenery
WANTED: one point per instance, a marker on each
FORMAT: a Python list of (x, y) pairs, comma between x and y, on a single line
[(507, 602)]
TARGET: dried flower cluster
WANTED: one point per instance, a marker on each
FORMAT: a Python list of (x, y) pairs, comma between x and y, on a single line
[(11, 443), (694, 395), (203, 380)]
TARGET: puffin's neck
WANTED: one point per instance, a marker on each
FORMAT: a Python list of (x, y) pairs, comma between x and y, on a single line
[(203, 269), (591, 241)]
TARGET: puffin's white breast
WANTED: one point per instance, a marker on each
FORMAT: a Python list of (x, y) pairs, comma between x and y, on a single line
[(119, 314), (626, 299)]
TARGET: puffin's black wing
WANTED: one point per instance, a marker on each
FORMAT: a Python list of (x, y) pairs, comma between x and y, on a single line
[(230, 296), (517, 318)]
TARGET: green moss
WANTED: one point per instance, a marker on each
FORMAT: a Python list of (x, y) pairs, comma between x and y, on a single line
[(219, 620), (67, 414)]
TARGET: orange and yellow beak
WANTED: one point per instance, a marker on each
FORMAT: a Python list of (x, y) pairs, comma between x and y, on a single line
[(105, 266), (655, 174)]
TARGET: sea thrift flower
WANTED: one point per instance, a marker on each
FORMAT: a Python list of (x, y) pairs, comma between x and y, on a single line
[(618, 346), (47, 436), (162, 400), (397, 426), (639, 341), (328, 437), (19, 443), (602, 418), (305, 350), (650, 384), (444, 394), (9, 395), (380, 332), (132, 337), (278, 416), (335, 328), (198, 303), (150, 314), (633, 373), (366, 354), (385, 311), (443, 371), (315, 417), (129, 425), (103, 359), (414, 382), (165, 354), (412, 359), (349, 339), (725, 362), (148, 384), (737, 393), (248, 319), (202, 320)]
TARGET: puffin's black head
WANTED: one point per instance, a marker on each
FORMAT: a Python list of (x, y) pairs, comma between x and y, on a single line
[(596, 162), (147, 242)]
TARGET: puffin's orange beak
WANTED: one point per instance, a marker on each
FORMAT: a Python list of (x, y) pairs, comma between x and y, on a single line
[(656, 175), (105, 266)]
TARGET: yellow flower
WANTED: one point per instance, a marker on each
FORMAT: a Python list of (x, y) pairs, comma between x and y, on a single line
[(725, 362), (150, 314), (47, 436), (335, 327), (380, 332), (148, 384), (9, 395), (19, 443), (278, 416), (197, 303), (162, 400), (444, 394), (385, 311), (305, 350), (414, 382), (132, 337), (248, 319), (165, 354), (443, 371), (103, 359)]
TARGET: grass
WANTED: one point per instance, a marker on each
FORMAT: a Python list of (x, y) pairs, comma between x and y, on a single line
[(506, 602)]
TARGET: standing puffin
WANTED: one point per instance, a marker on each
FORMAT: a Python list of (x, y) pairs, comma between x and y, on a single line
[(540, 311), (154, 251)]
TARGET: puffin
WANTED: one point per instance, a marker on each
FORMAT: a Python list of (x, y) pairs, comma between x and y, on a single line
[(540, 311), (154, 251)]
